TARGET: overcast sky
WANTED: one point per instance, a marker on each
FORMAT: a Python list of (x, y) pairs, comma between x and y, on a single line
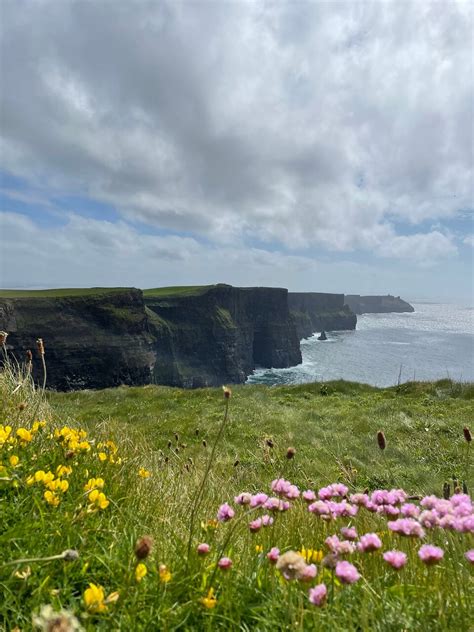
[(320, 146)]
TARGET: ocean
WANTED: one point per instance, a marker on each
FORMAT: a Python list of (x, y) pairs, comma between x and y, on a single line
[(434, 342)]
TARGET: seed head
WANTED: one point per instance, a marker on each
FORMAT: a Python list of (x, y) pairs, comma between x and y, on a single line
[(29, 355), (467, 434), (227, 392), (143, 547), (70, 555), (3, 338), (176, 437), (446, 491), (40, 345), (269, 443), (204, 443), (22, 406), (381, 440), (236, 463), (170, 444), (290, 453)]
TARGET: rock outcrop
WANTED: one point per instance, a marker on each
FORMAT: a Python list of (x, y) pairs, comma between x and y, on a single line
[(316, 311), (377, 304), (189, 337)]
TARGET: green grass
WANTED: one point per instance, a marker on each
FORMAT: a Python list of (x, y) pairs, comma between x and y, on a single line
[(179, 290), (333, 429), (62, 292)]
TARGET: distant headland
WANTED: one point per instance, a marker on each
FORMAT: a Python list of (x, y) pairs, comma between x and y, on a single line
[(188, 336)]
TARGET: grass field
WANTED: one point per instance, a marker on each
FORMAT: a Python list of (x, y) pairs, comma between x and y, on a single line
[(179, 290), (146, 450), (61, 292)]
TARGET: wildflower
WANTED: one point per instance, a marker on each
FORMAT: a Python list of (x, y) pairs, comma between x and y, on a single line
[(209, 524), (40, 345), (359, 499), (369, 542), (243, 498), (227, 392), (257, 500), (317, 595), (291, 565), (49, 620), (113, 597), (143, 473), (258, 548), (336, 489), (407, 526), (339, 547), (409, 510), (94, 483), (430, 554), (5, 432), (381, 440), (350, 533), (273, 555), (24, 435), (467, 434), (469, 555), (311, 555), (396, 559), (308, 573), (51, 498), (143, 547), (209, 601), (255, 525), (97, 500), (140, 571), (309, 496), (102, 456), (94, 598), (3, 338), (63, 470), (14, 460), (203, 548), (165, 575), (346, 572), (225, 513), (224, 563)]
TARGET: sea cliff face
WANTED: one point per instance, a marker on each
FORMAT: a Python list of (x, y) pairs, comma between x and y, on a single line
[(101, 338), (316, 311), (377, 304)]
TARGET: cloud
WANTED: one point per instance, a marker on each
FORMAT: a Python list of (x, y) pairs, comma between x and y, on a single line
[(312, 125), (469, 240)]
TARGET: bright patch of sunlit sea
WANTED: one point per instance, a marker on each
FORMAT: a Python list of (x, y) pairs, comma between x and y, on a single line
[(434, 342)]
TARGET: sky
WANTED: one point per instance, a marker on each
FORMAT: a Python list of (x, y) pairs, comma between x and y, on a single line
[(319, 146)]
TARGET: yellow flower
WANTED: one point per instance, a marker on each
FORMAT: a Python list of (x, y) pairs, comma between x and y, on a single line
[(113, 597), (37, 425), (25, 435), (144, 473), (311, 555), (84, 445), (39, 476), (209, 524), (209, 601), (102, 456), (94, 598), (51, 498), (258, 548), (63, 470), (112, 447), (14, 460), (140, 572), (165, 575), (5, 432), (98, 500), (94, 483)]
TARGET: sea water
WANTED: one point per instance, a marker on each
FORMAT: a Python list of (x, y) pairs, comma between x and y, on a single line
[(434, 342)]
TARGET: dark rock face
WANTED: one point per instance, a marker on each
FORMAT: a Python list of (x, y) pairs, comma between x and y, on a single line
[(377, 304), (316, 311), (110, 337), (221, 335), (91, 341)]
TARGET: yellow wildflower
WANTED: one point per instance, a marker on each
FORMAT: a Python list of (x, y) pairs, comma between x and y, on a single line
[(113, 597), (165, 575), (5, 432), (84, 445), (258, 548), (209, 601), (94, 598), (63, 470), (144, 473), (102, 456), (37, 425), (97, 500), (140, 572), (311, 555), (94, 483), (24, 435), (51, 498), (14, 460)]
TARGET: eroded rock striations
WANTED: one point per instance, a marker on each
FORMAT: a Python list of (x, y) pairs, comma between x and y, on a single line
[(204, 336), (316, 311), (377, 304)]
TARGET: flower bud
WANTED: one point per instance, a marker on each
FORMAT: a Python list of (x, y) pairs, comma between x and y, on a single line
[(143, 547), (381, 440)]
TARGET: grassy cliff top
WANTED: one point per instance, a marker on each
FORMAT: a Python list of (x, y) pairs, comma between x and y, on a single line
[(61, 292), (179, 290)]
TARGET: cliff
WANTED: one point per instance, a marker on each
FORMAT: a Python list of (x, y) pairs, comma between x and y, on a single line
[(316, 311), (190, 337), (215, 334), (377, 304), (94, 338)]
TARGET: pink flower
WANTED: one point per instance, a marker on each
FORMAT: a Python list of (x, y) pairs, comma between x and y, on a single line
[(409, 510), (396, 559), (280, 486), (429, 502), (429, 519), (318, 595), (258, 500), (203, 549), (340, 547), (350, 533), (224, 563), (309, 495), (225, 513), (276, 504), (430, 554), (273, 555), (267, 520), (369, 542), (255, 525), (336, 489), (388, 510), (319, 507), (469, 555), (347, 572), (293, 492), (407, 526), (308, 573), (359, 499), (243, 499)]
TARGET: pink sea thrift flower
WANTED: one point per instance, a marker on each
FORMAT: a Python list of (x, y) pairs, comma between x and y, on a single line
[(258, 500), (388, 510), (273, 555), (318, 595), (350, 533), (224, 563), (280, 486), (255, 525), (409, 510), (396, 559), (243, 499), (347, 573), (430, 554), (309, 495), (319, 507), (336, 489), (369, 542), (308, 573), (340, 547), (267, 520), (469, 555), (225, 513), (429, 519), (407, 526), (203, 548), (359, 499), (276, 504), (429, 502), (293, 492)]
